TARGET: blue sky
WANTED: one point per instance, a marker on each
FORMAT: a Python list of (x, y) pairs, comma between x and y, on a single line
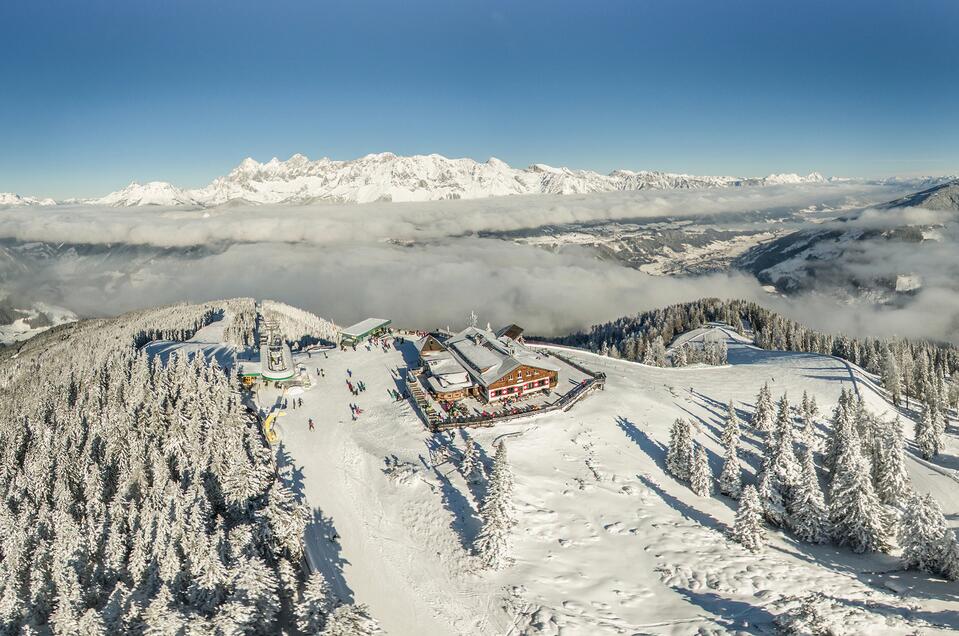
[(94, 94)]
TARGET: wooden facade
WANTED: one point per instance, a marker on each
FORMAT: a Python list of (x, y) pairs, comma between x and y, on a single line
[(474, 356), (452, 396), (523, 379)]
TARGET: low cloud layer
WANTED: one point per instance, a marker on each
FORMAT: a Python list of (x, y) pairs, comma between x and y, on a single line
[(337, 261), (337, 224)]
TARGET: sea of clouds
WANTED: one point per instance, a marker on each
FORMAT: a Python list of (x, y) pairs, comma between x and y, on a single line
[(429, 265)]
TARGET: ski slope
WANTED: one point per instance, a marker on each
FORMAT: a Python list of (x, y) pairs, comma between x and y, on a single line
[(606, 543), (208, 341)]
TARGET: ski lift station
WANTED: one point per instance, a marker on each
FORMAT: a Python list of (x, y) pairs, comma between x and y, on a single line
[(369, 328), (273, 362)]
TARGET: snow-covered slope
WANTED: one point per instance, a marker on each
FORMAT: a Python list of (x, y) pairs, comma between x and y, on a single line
[(606, 543), (941, 197), (152, 193), (389, 177), (22, 322)]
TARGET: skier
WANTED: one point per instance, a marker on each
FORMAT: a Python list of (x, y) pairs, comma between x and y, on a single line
[(311, 424), (322, 373)]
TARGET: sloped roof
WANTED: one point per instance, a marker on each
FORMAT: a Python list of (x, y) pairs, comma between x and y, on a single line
[(488, 358), (512, 332), (365, 326), (438, 337)]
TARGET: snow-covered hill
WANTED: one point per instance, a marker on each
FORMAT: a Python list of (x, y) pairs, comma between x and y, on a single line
[(606, 542), (389, 177)]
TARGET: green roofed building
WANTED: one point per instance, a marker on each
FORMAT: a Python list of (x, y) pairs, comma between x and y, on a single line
[(364, 329)]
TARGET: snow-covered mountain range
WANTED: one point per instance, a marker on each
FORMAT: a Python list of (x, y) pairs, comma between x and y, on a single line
[(9, 200), (389, 177)]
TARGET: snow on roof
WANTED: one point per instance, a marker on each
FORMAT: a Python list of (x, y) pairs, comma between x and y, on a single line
[(441, 387), (365, 326), (419, 344), (248, 367), (445, 365), (488, 357), (477, 356)]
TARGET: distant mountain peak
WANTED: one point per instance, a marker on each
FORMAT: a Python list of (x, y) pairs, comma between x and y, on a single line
[(13, 200), (150, 193)]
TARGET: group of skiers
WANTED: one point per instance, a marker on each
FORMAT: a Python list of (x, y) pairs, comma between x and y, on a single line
[(295, 402), (355, 410), (357, 388)]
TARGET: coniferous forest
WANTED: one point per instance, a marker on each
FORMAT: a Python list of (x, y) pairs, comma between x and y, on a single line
[(137, 497), (908, 369)]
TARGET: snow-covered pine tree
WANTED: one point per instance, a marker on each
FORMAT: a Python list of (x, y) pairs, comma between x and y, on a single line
[(843, 432), (748, 528), (700, 476), (950, 555), (890, 375), (808, 411), (492, 542), (730, 478), (680, 451), (681, 356), (808, 510), (657, 352), (922, 532), (780, 472), (471, 467), (784, 462), (317, 603), (928, 432), (771, 500), (856, 516), (351, 620), (892, 480), (763, 414)]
